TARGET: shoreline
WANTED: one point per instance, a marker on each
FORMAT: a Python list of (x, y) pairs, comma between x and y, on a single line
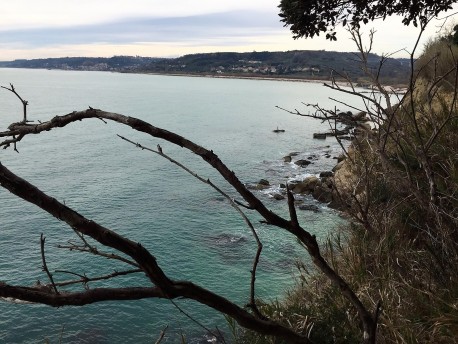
[(399, 88), (249, 77), (340, 82)]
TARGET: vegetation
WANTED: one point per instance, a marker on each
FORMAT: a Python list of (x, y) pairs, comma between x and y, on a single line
[(438, 58), (389, 276), (400, 250), (309, 18), (292, 64), (115, 63)]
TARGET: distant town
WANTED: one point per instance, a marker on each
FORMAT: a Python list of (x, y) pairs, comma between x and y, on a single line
[(297, 64)]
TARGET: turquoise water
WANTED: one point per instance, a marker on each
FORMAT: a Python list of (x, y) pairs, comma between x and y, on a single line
[(190, 228)]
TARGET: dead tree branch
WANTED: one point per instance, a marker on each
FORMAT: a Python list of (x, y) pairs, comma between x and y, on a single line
[(147, 262), (45, 266), (161, 335), (24, 102), (159, 151), (165, 287), (85, 280)]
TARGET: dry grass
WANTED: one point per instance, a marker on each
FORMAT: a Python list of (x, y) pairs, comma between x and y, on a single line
[(401, 248)]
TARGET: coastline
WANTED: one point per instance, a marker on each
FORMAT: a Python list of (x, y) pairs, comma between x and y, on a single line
[(233, 76), (400, 88)]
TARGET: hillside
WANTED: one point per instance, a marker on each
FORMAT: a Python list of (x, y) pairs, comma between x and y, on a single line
[(306, 64), (115, 63)]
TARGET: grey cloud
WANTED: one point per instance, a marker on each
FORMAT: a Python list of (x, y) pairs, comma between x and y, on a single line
[(223, 27)]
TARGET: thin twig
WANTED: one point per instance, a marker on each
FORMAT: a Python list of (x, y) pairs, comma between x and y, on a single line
[(233, 203), (24, 102), (85, 280), (190, 317), (45, 267), (93, 250), (161, 336)]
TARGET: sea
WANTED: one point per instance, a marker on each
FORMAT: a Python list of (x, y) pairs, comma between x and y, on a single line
[(191, 229)]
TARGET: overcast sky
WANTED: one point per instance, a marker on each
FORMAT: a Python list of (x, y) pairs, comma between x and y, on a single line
[(57, 28)]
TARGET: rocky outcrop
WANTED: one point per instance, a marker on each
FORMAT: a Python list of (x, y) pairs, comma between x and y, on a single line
[(320, 136), (278, 196), (322, 189), (352, 123), (305, 186), (303, 162), (262, 185)]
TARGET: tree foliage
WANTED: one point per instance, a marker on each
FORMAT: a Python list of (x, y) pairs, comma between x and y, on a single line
[(308, 18)]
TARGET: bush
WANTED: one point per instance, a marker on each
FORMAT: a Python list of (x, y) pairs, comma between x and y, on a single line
[(400, 248)]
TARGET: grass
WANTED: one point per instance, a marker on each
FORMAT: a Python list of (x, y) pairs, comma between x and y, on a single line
[(400, 248)]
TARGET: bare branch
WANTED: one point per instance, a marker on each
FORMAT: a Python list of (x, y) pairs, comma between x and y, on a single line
[(160, 152), (136, 251), (24, 102), (85, 280), (45, 267), (86, 247), (165, 287), (190, 317), (161, 336)]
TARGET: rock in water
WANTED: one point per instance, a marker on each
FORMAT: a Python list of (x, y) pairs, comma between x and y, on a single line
[(302, 163), (319, 136), (287, 158)]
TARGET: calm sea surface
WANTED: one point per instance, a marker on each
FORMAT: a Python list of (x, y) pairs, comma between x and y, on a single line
[(190, 228)]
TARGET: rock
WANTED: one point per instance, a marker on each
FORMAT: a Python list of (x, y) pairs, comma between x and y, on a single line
[(307, 185), (312, 181), (326, 174), (319, 136), (297, 188), (337, 132), (327, 156), (262, 184), (282, 186), (278, 196), (287, 158), (341, 157), (338, 166), (322, 194), (329, 182), (302, 163), (293, 154), (292, 184), (309, 207), (228, 239)]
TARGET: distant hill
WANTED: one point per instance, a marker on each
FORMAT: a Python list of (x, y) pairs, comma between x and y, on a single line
[(289, 64), (115, 63)]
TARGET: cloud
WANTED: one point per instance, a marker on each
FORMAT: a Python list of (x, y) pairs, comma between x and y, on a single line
[(223, 26), (45, 13)]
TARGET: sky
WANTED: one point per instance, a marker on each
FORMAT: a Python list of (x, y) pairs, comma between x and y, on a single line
[(168, 28)]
